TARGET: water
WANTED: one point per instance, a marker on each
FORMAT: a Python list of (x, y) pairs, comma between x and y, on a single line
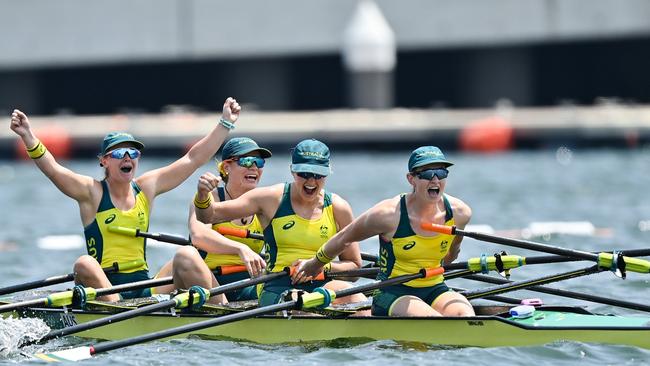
[(506, 191)]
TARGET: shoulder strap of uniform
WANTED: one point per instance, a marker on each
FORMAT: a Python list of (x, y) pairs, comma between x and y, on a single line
[(449, 213), (105, 203), (404, 228)]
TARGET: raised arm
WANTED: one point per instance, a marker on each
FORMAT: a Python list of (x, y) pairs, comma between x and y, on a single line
[(207, 239), (169, 177), (262, 201), (76, 186), (462, 215)]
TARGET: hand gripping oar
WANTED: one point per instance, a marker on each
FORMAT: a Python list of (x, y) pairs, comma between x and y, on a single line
[(615, 262), (116, 267), (320, 297), (565, 293)]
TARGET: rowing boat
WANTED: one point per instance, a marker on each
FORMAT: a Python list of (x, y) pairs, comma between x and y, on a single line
[(494, 327)]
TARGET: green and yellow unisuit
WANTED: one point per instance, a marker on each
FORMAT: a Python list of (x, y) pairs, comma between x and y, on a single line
[(107, 247), (290, 237), (408, 253)]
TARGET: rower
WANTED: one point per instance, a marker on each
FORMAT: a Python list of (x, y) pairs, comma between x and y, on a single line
[(404, 246), (120, 199), (297, 218), (241, 167)]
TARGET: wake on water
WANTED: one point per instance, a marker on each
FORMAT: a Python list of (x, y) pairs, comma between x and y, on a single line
[(16, 331)]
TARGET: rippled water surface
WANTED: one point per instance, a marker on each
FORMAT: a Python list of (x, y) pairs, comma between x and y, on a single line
[(607, 188)]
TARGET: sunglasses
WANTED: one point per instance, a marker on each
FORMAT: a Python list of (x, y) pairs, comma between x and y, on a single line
[(428, 174), (306, 176), (121, 152), (248, 161)]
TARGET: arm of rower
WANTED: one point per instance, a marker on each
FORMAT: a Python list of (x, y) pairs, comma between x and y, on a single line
[(379, 220), (209, 240), (462, 214), (350, 257), (171, 176), (250, 203), (76, 186)]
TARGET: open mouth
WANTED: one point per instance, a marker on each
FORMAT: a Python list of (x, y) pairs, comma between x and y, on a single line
[(126, 169), (251, 178), (309, 190), (434, 190)]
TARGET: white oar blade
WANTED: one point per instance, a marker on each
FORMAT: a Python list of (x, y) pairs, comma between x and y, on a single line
[(72, 354)]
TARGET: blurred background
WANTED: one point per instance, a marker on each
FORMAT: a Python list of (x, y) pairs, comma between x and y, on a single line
[(537, 71)]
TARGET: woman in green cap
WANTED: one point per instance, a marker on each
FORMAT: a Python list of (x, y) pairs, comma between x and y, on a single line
[(297, 217), (404, 247), (120, 199), (241, 167)]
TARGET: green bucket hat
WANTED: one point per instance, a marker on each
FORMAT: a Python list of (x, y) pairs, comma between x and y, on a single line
[(311, 156), (239, 146), (113, 138), (426, 155)]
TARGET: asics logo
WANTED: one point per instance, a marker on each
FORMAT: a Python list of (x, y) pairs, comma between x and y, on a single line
[(288, 225), (110, 219), (409, 245)]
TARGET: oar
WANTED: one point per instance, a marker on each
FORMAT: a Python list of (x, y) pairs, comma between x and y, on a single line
[(179, 240), (116, 267), (179, 302), (315, 299), (68, 297), (520, 285), (613, 261), (565, 293), (497, 262)]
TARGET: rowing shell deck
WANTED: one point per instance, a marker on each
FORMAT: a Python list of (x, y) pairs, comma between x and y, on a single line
[(547, 325)]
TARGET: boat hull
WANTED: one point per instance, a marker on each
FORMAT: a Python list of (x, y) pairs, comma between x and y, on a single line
[(546, 326)]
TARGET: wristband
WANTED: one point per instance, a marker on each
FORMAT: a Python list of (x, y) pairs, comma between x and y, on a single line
[(321, 256), (202, 204), (227, 124), (37, 151)]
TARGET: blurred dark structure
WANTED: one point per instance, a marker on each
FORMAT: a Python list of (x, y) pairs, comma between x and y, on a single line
[(89, 58)]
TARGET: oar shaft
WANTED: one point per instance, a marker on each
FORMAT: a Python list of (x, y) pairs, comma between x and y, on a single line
[(36, 284), (62, 278), (475, 294), (225, 319), (565, 293), (525, 244)]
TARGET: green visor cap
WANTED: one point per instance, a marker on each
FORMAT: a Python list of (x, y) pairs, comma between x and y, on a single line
[(239, 146), (115, 138), (426, 155), (311, 156)]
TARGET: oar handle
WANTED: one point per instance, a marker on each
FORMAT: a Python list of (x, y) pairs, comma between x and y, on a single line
[(168, 238), (226, 270), (240, 233)]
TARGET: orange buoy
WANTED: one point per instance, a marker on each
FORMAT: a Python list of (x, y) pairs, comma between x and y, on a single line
[(490, 134), (55, 138)]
